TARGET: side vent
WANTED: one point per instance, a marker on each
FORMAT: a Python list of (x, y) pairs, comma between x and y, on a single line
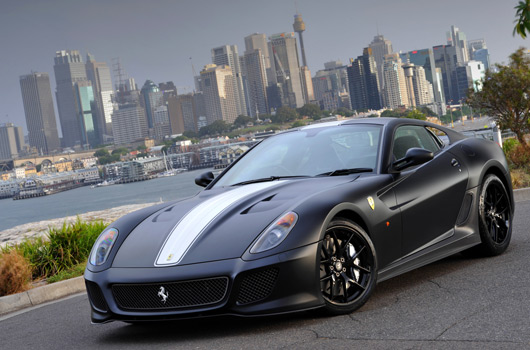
[(95, 295), (465, 209)]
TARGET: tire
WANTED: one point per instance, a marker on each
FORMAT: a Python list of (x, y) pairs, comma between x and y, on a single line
[(348, 267), (495, 217)]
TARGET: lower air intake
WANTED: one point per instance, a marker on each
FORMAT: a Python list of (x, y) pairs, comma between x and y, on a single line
[(257, 286), (95, 295), (170, 295)]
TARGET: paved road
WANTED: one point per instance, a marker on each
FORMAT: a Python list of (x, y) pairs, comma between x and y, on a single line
[(456, 303)]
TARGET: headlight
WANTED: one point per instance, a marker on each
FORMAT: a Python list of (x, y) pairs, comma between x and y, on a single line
[(275, 233), (103, 246)]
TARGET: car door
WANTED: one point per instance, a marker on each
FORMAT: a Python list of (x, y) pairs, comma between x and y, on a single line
[(429, 195)]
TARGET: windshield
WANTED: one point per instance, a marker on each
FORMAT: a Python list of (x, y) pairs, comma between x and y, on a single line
[(309, 152)]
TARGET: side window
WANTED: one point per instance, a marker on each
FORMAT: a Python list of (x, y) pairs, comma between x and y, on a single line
[(411, 136)]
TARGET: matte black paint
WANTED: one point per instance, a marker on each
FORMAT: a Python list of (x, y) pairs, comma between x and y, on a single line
[(412, 210)]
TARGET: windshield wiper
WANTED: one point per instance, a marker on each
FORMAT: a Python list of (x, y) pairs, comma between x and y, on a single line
[(267, 179), (339, 172)]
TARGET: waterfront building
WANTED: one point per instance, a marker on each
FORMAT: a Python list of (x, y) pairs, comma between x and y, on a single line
[(364, 82), (287, 68), (218, 91), (380, 48), (256, 82), (396, 93), (69, 69), (87, 115), (99, 74), (11, 141), (231, 153), (152, 98), (39, 112), (425, 58), (228, 55)]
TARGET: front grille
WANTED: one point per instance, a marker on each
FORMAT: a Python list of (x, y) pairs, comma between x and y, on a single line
[(257, 286), (170, 295), (95, 295)]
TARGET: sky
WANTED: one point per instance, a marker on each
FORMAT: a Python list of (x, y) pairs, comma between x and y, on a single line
[(163, 40)]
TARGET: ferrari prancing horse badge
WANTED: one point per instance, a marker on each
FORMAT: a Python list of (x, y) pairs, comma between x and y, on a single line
[(371, 202)]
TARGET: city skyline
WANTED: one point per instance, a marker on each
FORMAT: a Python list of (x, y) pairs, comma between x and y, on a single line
[(155, 40)]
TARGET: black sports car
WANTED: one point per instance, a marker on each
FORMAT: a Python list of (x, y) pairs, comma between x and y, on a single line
[(309, 218)]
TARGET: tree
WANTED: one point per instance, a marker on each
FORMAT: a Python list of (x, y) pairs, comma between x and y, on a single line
[(415, 114), (505, 95), (216, 128), (297, 124), (242, 120), (286, 114), (344, 112), (309, 110), (101, 152), (120, 151), (522, 21)]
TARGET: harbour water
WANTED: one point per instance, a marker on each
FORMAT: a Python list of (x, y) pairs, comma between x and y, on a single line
[(86, 199)]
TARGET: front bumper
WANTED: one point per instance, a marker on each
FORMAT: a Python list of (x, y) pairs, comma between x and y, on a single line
[(280, 283)]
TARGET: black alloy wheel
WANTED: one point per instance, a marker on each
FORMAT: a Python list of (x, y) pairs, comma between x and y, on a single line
[(348, 267), (495, 216)]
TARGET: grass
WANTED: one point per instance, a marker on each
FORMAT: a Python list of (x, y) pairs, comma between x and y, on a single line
[(61, 254)]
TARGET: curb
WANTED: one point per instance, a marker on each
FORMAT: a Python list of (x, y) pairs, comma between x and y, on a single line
[(50, 292), (40, 295)]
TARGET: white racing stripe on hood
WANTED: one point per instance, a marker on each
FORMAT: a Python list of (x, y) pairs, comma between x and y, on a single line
[(190, 227)]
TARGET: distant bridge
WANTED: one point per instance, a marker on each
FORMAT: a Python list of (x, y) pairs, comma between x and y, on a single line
[(53, 158)]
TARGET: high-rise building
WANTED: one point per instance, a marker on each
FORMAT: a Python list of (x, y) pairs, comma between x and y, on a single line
[(183, 113), (259, 41), (219, 95), (39, 111), (380, 48), (11, 141), (69, 69), (329, 84), (478, 51), (228, 55), (99, 74), (287, 67), (87, 114), (458, 39), (307, 84), (161, 125), (467, 76), (446, 59), (425, 58), (418, 84), (152, 99), (396, 93), (256, 82), (129, 123), (364, 82)]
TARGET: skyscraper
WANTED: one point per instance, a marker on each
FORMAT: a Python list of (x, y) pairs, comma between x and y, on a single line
[(478, 51), (364, 82), (129, 123), (259, 41), (425, 59), (87, 114), (228, 55), (218, 91), (39, 111), (11, 141), (446, 59), (287, 68), (152, 99), (69, 69), (183, 113), (99, 74), (396, 93), (380, 47), (458, 39), (257, 82)]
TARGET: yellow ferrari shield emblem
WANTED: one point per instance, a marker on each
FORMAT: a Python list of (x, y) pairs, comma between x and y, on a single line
[(371, 202)]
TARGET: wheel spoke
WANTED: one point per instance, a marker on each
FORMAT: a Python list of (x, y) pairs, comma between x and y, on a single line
[(367, 270), (336, 242), (325, 278), (352, 281)]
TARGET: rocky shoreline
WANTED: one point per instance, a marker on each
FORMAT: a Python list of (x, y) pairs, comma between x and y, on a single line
[(36, 229)]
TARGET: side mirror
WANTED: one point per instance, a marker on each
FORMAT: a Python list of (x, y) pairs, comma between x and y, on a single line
[(414, 156), (204, 179)]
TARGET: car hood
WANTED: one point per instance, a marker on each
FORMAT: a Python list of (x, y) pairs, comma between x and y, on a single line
[(216, 224)]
